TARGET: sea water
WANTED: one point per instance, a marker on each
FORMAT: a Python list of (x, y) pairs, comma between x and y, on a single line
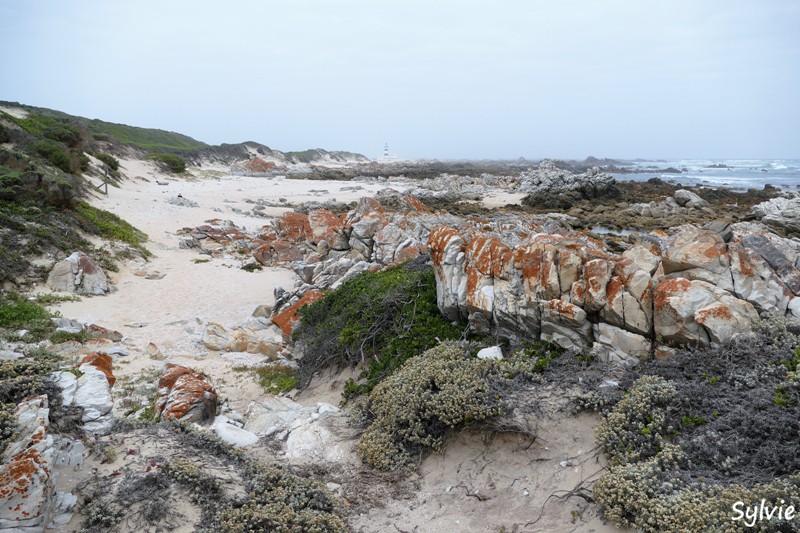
[(734, 173)]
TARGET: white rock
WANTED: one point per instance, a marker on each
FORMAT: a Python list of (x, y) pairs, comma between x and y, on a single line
[(94, 396), (492, 352), (232, 434)]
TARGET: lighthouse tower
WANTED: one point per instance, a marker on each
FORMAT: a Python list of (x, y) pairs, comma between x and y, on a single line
[(386, 157)]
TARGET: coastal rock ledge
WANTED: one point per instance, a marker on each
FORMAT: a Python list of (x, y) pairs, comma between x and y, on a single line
[(691, 287)]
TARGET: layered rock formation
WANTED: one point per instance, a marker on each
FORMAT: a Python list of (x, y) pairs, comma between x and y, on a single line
[(691, 287)]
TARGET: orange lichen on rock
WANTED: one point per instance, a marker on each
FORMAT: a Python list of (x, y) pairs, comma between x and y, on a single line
[(287, 319), (184, 394), (102, 362)]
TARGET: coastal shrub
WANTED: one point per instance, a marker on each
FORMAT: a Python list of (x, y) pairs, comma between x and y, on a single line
[(281, 501), (690, 436), (108, 159), (412, 409), (174, 163), (17, 312), (636, 427), (21, 378), (382, 318), (53, 153)]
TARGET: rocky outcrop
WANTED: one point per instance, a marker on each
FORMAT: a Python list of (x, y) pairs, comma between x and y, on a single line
[(184, 394), (782, 213), (26, 478), (549, 187), (691, 287), (78, 274)]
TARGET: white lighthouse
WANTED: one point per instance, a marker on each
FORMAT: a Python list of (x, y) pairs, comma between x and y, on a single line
[(386, 157)]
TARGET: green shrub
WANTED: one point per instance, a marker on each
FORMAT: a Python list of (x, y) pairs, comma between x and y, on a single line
[(17, 312), (108, 159), (281, 501), (412, 409), (53, 153), (174, 163), (382, 318)]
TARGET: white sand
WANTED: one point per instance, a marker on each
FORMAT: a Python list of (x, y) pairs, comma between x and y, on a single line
[(217, 291)]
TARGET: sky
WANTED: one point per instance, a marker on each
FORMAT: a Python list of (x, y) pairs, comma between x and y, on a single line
[(435, 79)]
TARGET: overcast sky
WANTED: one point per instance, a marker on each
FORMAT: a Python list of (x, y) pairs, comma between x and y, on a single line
[(435, 79)]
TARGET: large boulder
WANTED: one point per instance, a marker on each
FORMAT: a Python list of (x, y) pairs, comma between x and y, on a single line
[(79, 274), (184, 394)]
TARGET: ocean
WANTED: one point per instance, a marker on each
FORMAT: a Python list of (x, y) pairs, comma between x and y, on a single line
[(734, 173)]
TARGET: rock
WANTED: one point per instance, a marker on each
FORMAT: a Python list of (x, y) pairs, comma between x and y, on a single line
[(615, 345), (182, 202), (184, 394), (215, 337), (697, 312), (78, 274), (153, 352), (102, 362), (782, 213), (66, 325), (319, 438), (26, 479), (287, 318), (232, 434), (565, 324), (99, 332), (721, 228), (263, 310), (93, 395), (552, 188), (776, 258), (492, 352), (695, 248), (689, 199), (272, 415)]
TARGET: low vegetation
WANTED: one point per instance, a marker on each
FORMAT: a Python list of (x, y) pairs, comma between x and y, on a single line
[(692, 435), (110, 226), (171, 162), (21, 378), (444, 388), (379, 318), (266, 498)]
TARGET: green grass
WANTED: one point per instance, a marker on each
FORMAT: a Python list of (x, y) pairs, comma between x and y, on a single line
[(275, 379), (57, 337), (110, 226)]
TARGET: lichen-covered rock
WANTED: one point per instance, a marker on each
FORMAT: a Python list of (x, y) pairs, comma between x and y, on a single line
[(79, 274), (26, 480), (184, 394), (696, 312), (287, 318)]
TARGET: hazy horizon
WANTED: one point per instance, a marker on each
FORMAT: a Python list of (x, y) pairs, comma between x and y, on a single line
[(445, 80)]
